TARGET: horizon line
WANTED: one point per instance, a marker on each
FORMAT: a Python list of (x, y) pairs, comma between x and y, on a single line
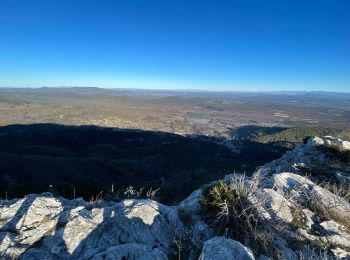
[(175, 89)]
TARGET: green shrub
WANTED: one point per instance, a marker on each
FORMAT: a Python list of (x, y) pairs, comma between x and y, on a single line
[(214, 196), (231, 211)]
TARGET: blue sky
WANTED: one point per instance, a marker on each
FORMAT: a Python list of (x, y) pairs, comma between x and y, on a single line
[(214, 45)]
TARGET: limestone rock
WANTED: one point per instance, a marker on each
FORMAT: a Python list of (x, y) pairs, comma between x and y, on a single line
[(309, 218), (26, 221), (191, 205), (296, 160), (225, 249), (335, 142), (201, 232), (41, 226), (340, 253), (285, 252), (301, 188), (330, 202), (278, 206), (336, 234), (303, 155), (132, 252)]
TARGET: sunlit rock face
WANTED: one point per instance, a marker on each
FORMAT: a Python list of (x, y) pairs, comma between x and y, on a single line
[(331, 142), (24, 222), (41, 226)]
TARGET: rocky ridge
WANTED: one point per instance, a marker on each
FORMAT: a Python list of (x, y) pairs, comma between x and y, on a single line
[(313, 221)]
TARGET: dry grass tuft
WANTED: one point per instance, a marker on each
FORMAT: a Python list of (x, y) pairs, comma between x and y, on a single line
[(232, 209)]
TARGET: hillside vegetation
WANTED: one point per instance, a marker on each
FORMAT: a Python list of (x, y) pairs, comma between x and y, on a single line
[(290, 136)]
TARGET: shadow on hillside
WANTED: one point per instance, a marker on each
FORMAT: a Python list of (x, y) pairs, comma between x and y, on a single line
[(82, 161)]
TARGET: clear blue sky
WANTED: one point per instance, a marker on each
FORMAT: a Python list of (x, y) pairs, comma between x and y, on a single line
[(215, 45)]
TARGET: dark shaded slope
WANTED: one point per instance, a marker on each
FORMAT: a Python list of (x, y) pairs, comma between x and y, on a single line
[(89, 159)]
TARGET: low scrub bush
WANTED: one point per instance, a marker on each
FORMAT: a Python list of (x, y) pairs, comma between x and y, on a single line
[(232, 209)]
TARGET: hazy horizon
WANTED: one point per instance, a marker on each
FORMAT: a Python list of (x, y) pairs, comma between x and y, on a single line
[(178, 89)]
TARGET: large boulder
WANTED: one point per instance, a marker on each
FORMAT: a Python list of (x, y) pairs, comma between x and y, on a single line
[(296, 187), (225, 249)]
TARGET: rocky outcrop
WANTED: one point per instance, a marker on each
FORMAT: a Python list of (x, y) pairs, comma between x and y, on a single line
[(293, 161), (312, 158), (309, 221), (331, 141), (319, 216), (41, 226), (316, 203)]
